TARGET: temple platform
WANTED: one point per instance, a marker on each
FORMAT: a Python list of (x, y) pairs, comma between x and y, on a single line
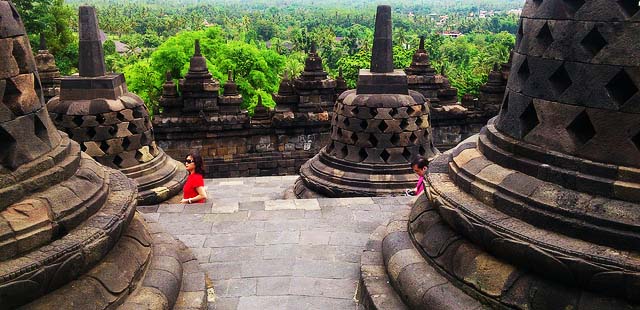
[(262, 251)]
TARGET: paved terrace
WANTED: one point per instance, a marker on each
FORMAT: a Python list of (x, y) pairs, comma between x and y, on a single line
[(264, 252)]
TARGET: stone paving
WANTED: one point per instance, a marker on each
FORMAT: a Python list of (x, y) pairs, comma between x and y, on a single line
[(264, 252)]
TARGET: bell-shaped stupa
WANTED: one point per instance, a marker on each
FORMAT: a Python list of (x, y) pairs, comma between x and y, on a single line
[(170, 101), (541, 209), (231, 99), (112, 124), (200, 92), (377, 130), (69, 234)]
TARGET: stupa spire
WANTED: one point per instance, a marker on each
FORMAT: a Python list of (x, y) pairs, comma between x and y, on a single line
[(91, 58), (197, 48), (382, 53), (43, 42)]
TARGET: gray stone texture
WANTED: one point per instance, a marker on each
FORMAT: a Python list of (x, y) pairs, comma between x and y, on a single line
[(275, 253), (69, 235), (111, 124), (545, 198), (376, 131), (91, 56)]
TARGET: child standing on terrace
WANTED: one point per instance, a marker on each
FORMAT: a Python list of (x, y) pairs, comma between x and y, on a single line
[(419, 166)]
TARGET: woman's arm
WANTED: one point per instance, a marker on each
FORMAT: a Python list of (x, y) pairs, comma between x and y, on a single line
[(202, 194)]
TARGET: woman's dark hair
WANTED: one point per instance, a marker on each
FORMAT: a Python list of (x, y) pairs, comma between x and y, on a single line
[(197, 160), (419, 161)]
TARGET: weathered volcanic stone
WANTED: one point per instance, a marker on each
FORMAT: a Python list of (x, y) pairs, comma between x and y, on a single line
[(382, 52), (376, 132), (423, 79), (231, 99), (47, 71), (261, 115), (286, 99), (541, 209), (492, 92), (69, 234), (60, 211), (170, 100), (113, 125), (315, 90), (91, 58)]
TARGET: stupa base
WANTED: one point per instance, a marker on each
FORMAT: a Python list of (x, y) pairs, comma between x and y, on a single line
[(327, 176), (146, 269)]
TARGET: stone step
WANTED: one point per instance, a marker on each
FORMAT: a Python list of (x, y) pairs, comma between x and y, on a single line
[(467, 206), (547, 204)]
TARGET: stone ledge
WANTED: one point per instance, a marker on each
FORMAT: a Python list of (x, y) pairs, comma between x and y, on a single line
[(110, 281), (174, 276)]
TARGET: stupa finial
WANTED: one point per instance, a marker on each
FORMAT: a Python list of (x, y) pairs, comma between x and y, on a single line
[(43, 42), (197, 48), (91, 58), (382, 53)]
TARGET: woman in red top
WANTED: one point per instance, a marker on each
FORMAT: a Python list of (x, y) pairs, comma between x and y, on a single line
[(193, 191)]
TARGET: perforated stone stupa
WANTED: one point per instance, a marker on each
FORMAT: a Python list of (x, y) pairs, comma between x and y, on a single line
[(69, 234), (541, 210), (112, 124), (376, 131)]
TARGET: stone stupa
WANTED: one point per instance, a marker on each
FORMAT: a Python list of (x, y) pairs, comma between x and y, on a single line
[(424, 79), (69, 234), (112, 124), (200, 92), (315, 89), (492, 92), (541, 210), (286, 98), (377, 130), (47, 70), (170, 100)]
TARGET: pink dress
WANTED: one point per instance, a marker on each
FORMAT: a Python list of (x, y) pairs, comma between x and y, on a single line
[(420, 186)]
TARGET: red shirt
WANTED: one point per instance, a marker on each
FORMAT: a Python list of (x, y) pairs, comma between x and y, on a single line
[(194, 181)]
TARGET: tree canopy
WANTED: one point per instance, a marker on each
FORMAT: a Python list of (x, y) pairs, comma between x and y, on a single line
[(260, 40)]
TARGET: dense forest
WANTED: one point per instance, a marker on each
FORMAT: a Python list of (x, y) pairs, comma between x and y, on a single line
[(262, 39)]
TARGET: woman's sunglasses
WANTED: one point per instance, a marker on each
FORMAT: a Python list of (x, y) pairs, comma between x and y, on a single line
[(188, 161)]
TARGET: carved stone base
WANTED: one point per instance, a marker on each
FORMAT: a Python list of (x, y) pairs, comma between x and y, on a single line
[(146, 269), (331, 177)]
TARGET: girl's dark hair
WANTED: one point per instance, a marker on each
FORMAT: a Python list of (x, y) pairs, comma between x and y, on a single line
[(197, 159), (419, 161)]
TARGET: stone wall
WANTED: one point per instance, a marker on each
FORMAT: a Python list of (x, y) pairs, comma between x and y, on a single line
[(244, 152), (450, 129), (281, 150)]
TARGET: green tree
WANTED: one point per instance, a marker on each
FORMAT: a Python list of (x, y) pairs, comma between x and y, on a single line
[(55, 20), (256, 70)]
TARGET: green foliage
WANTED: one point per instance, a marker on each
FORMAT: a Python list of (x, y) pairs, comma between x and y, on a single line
[(351, 65), (261, 39), (144, 82), (256, 70), (55, 19), (468, 59)]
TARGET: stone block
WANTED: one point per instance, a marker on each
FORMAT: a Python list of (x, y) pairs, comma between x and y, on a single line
[(165, 282)]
